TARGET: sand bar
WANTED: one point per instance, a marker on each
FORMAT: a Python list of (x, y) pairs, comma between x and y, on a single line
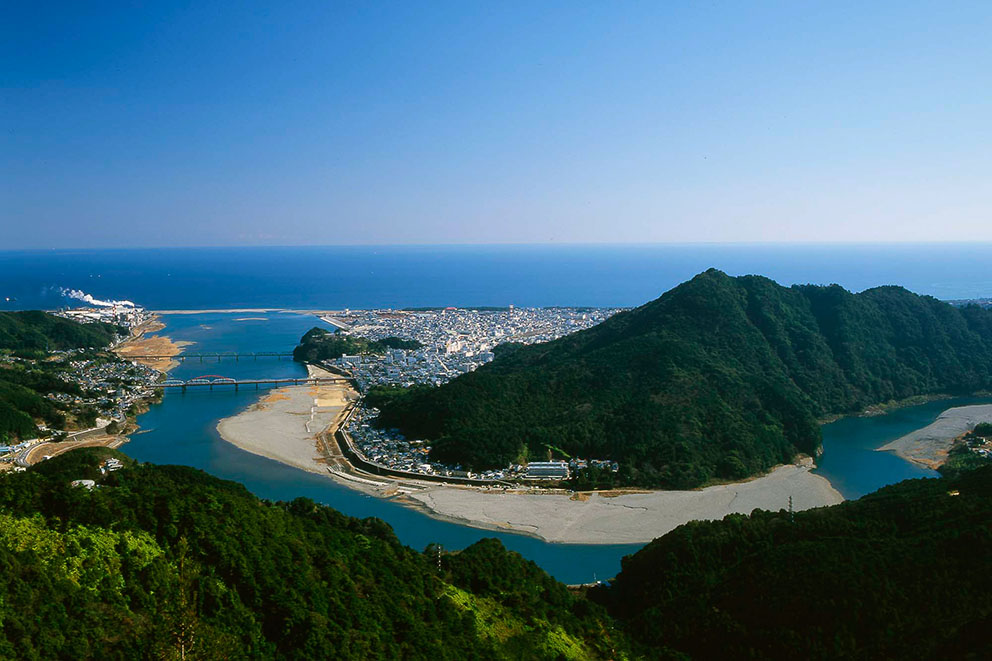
[(630, 518), (143, 343), (286, 423), (929, 446)]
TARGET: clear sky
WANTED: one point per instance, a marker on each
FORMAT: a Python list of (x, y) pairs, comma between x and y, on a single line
[(247, 123)]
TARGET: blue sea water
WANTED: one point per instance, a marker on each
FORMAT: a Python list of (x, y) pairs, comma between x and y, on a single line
[(182, 430), (402, 276)]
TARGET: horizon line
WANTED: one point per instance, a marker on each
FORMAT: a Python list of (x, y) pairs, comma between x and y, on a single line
[(548, 244)]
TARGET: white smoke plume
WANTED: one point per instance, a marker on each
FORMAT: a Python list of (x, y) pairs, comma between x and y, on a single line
[(86, 298)]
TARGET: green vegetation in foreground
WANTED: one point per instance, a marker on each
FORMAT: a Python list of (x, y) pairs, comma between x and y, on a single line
[(719, 379), (319, 344), (962, 456), (161, 561), (27, 374), (903, 573), (166, 561)]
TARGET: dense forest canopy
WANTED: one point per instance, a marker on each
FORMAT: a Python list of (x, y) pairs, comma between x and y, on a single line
[(721, 377), (34, 330), (903, 573), (159, 560), (320, 344)]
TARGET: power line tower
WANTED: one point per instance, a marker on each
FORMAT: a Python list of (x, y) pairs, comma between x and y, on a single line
[(792, 513)]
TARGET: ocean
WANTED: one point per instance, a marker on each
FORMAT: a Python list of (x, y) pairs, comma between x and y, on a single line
[(410, 276)]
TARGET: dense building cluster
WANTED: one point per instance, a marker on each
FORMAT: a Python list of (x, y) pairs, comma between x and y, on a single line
[(454, 341), (127, 316), (107, 389), (112, 386)]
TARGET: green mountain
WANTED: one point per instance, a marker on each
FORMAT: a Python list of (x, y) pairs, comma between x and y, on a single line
[(903, 573), (34, 330), (168, 562), (721, 377)]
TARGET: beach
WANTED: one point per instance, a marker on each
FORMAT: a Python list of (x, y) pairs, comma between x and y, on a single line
[(287, 424), (630, 518), (929, 446)]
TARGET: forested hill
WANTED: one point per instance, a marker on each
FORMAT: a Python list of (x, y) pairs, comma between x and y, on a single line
[(721, 377), (168, 562), (25, 384), (320, 344), (903, 573), (34, 330)]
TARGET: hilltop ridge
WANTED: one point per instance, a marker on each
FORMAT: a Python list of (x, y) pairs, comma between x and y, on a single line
[(719, 378)]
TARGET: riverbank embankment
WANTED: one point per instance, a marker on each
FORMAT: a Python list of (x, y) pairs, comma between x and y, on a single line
[(929, 446)]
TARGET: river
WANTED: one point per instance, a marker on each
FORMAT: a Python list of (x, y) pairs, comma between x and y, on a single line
[(182, 430)]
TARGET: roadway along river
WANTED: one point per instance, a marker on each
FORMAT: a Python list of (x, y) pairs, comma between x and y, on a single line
[(182, 430)]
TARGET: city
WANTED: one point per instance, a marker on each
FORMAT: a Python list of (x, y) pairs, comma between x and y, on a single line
[(452, 341)]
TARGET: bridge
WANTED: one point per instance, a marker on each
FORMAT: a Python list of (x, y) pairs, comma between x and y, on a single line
[(182, 357), (211, 380)]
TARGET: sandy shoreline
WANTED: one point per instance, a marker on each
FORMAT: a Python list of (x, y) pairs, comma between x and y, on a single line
[(286, 425), (929, 446), (143, 343), (630, 518)]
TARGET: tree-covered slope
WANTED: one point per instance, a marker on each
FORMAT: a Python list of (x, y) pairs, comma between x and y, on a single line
[(719, 378), (902, 573), (34, 330), (161, 560), (321, 344)]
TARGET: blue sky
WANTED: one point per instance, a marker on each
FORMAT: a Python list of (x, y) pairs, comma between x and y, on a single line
[(247, 123)]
